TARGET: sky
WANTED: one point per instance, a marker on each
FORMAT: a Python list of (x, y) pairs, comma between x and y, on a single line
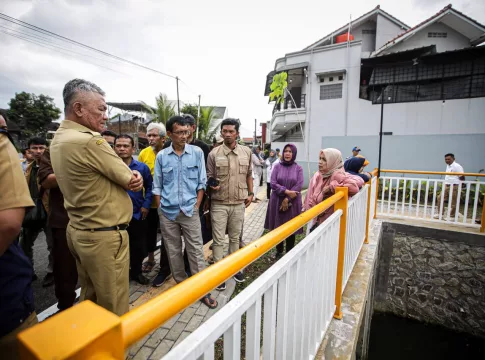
[(221, 50)]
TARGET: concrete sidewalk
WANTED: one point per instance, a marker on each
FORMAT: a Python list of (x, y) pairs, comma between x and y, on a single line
[(159, 342)]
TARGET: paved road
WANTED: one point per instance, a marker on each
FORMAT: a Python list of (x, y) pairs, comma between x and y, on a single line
[(43, 297)]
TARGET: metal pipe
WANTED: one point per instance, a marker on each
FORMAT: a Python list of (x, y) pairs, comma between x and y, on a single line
[(198, 119), (178, 99), (430, 173), (380, 134)]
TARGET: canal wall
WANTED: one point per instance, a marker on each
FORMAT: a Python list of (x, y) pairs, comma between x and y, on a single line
[(433, 276)]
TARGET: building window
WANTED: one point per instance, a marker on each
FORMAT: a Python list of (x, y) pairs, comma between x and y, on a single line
[(368, 32), (330, 78), (437, 35), (340, 77), (333, 91)]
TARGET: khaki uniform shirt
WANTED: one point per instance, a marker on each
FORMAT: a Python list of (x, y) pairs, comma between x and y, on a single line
[(232, 168), (15, 192), (91, 178)]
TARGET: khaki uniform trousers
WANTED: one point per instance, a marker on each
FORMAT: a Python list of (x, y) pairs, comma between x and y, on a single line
[(103, 265), (9, 348), (451, 202), (230, 216)]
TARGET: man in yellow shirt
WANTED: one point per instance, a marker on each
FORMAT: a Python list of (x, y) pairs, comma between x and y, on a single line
[(156, 134)]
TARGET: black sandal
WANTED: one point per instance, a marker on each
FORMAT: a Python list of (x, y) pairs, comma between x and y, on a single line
[(210, 303)]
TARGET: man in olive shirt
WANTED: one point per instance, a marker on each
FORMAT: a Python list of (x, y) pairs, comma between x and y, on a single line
[(94, 180), (17, 311)]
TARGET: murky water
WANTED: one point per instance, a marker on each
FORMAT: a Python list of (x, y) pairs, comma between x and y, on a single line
[(397, 338)]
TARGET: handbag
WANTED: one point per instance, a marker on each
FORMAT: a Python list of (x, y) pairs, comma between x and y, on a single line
[(36, 218)]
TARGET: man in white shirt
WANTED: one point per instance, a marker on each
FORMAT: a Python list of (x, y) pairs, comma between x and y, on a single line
[(451, 182)]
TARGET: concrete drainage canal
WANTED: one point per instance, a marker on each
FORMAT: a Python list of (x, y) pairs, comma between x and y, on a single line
[(428, 296)]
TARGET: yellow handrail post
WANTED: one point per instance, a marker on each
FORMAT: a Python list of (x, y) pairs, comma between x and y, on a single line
[(377, 195), (342, 204), (367, 218), (482, 227), (85, 331)]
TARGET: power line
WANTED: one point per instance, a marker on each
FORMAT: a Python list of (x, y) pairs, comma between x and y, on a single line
[(37, 39), (53, 49), (50, 33)]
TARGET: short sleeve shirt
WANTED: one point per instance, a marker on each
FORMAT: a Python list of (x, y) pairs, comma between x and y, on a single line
[(91, 178), (16, 192)]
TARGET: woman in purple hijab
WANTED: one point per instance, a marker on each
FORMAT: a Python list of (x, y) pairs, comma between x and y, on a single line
[(285, 200)]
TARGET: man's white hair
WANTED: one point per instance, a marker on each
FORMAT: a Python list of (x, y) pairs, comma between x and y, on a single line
[(76, 86), (159, 126)]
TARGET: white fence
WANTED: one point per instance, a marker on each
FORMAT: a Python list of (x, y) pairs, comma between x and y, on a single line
[(298, 298), (421, 199), (356, 221)]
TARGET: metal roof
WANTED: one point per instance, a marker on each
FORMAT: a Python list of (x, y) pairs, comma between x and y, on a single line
[(138, 106)]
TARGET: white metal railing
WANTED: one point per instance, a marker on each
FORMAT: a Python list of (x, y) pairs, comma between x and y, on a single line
[(356, 218), (373, 194), (421, 199), (298, 297)]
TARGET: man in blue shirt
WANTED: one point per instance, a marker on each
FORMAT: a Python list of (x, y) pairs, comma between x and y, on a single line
[(179, 185), (124, 147)]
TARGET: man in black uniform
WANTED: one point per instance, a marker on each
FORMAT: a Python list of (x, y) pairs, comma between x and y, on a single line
[(17, 310)]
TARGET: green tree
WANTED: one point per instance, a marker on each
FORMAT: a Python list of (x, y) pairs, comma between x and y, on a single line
[(164, 110), (190, 109), (278, 87), (209, 123), (32, 113)]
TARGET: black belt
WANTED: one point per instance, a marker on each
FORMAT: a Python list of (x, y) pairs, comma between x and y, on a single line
[(111, 228)]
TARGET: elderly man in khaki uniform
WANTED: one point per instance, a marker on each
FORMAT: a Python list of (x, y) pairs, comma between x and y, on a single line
[(94, 180), (230, 165)]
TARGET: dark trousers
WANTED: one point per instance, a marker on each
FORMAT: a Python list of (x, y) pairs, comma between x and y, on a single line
[(27, 239), (153, 224), (65, 271), (268, 190), (137, 235), (290, 243)]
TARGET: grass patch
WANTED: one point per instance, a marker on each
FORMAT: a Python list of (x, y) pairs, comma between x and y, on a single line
[(251, 273)]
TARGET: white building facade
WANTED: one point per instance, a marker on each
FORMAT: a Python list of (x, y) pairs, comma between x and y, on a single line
[(431, 79)]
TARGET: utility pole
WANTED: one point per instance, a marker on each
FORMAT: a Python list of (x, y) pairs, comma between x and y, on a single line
[(380, 134), (198, 117), (255, 137), (178, 99)]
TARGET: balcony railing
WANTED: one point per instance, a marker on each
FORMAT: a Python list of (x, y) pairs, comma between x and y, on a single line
[(288, 104)]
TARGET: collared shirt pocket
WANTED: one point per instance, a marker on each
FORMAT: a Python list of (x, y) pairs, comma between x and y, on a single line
[(242, 191), (222, 165), (243, 165), (193, 172), (167, 175)]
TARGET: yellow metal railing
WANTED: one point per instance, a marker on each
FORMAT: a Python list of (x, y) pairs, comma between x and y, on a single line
[(87, 331), (418, 172)]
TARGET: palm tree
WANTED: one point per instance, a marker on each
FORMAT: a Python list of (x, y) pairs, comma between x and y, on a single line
[(164, 109), (209, 123)]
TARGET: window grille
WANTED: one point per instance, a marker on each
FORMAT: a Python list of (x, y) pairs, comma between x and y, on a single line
[(331, 91)]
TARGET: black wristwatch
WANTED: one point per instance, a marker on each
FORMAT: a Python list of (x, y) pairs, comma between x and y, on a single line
[(251, 194)]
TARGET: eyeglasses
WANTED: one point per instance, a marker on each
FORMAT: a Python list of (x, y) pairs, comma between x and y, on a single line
[(181, 132)]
